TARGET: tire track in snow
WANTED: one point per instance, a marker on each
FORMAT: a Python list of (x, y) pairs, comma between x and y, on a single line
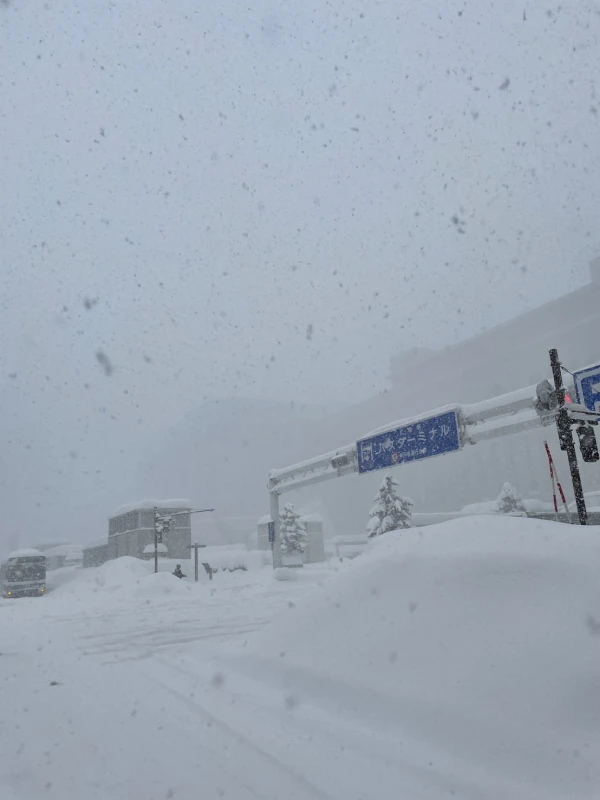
[(315, 793)]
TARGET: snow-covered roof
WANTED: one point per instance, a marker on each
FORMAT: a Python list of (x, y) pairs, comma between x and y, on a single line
[(45, 546), (162, 548), (177, 502), (95, 543), (311, 518), (264, 520), (64, 550), (26, 551)]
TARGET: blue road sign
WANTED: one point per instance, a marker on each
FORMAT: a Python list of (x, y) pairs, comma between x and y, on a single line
[(271, 532), (428, 437), (587, 387)]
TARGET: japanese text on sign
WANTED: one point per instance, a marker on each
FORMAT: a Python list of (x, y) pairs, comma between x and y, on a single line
[(428, 437)]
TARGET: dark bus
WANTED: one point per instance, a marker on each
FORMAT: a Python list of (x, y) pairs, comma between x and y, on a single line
[(23, 575)]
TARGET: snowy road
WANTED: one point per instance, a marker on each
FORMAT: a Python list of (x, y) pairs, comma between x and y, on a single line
[(460, 662), (101, 701), (150, 698)]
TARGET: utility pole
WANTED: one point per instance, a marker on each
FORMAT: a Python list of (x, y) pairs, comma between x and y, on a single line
[(565, 437)]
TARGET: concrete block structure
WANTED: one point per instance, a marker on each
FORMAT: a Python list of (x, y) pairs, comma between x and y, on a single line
[(262, 533), (131, 530), (315, 551), (94, 555)]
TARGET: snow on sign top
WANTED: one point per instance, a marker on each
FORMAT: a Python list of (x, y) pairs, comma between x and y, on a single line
[(177, 502)]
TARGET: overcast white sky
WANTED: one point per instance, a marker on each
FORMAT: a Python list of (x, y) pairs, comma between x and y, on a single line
[(269, 199)]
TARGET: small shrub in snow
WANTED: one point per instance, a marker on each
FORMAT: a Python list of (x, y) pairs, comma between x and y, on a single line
[(510, 501), (391, 511), (293, 532)]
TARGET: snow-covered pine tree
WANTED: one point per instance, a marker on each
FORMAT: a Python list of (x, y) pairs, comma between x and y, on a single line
[(391, 511), (510, 501), (293, 532)]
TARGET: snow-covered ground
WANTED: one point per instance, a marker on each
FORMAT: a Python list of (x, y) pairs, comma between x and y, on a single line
[(458, 661)]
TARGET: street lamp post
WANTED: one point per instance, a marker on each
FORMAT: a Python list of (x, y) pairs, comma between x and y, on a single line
[(162, 524)]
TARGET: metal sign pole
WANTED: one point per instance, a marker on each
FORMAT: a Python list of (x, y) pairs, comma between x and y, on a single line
[(155, 539), (277, 560), (195, 547), (565, 437)]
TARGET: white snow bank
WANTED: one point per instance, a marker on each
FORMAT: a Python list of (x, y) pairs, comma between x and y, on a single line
[(79, 586), (158, 584), (121, 572), (491, 506), (222, 558), (285, 574), (484, 507), (177, 502), (475, 644), (123, 578)]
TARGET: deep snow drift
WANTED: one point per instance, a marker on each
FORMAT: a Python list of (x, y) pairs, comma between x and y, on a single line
[(458, 661), (475, 644), (117, 580)]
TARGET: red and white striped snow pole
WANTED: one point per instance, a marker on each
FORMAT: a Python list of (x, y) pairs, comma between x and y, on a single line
[(552, 480), (556, 482)]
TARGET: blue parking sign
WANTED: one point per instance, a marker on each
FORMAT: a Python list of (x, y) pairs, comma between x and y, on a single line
[(587, 386)]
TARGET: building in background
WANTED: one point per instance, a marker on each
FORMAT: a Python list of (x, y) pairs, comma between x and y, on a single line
[(131, 529), (61, 554), (95, 554), (315, 544), (64, 555)]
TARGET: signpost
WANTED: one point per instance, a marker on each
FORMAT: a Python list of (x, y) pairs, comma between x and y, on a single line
[(587, 387), (565, 436), (195, 547), (448, 431), (426, 438)]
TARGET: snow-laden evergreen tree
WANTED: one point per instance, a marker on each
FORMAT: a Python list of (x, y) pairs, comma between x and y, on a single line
[(510, 501), (391, 511), (293, 531)]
